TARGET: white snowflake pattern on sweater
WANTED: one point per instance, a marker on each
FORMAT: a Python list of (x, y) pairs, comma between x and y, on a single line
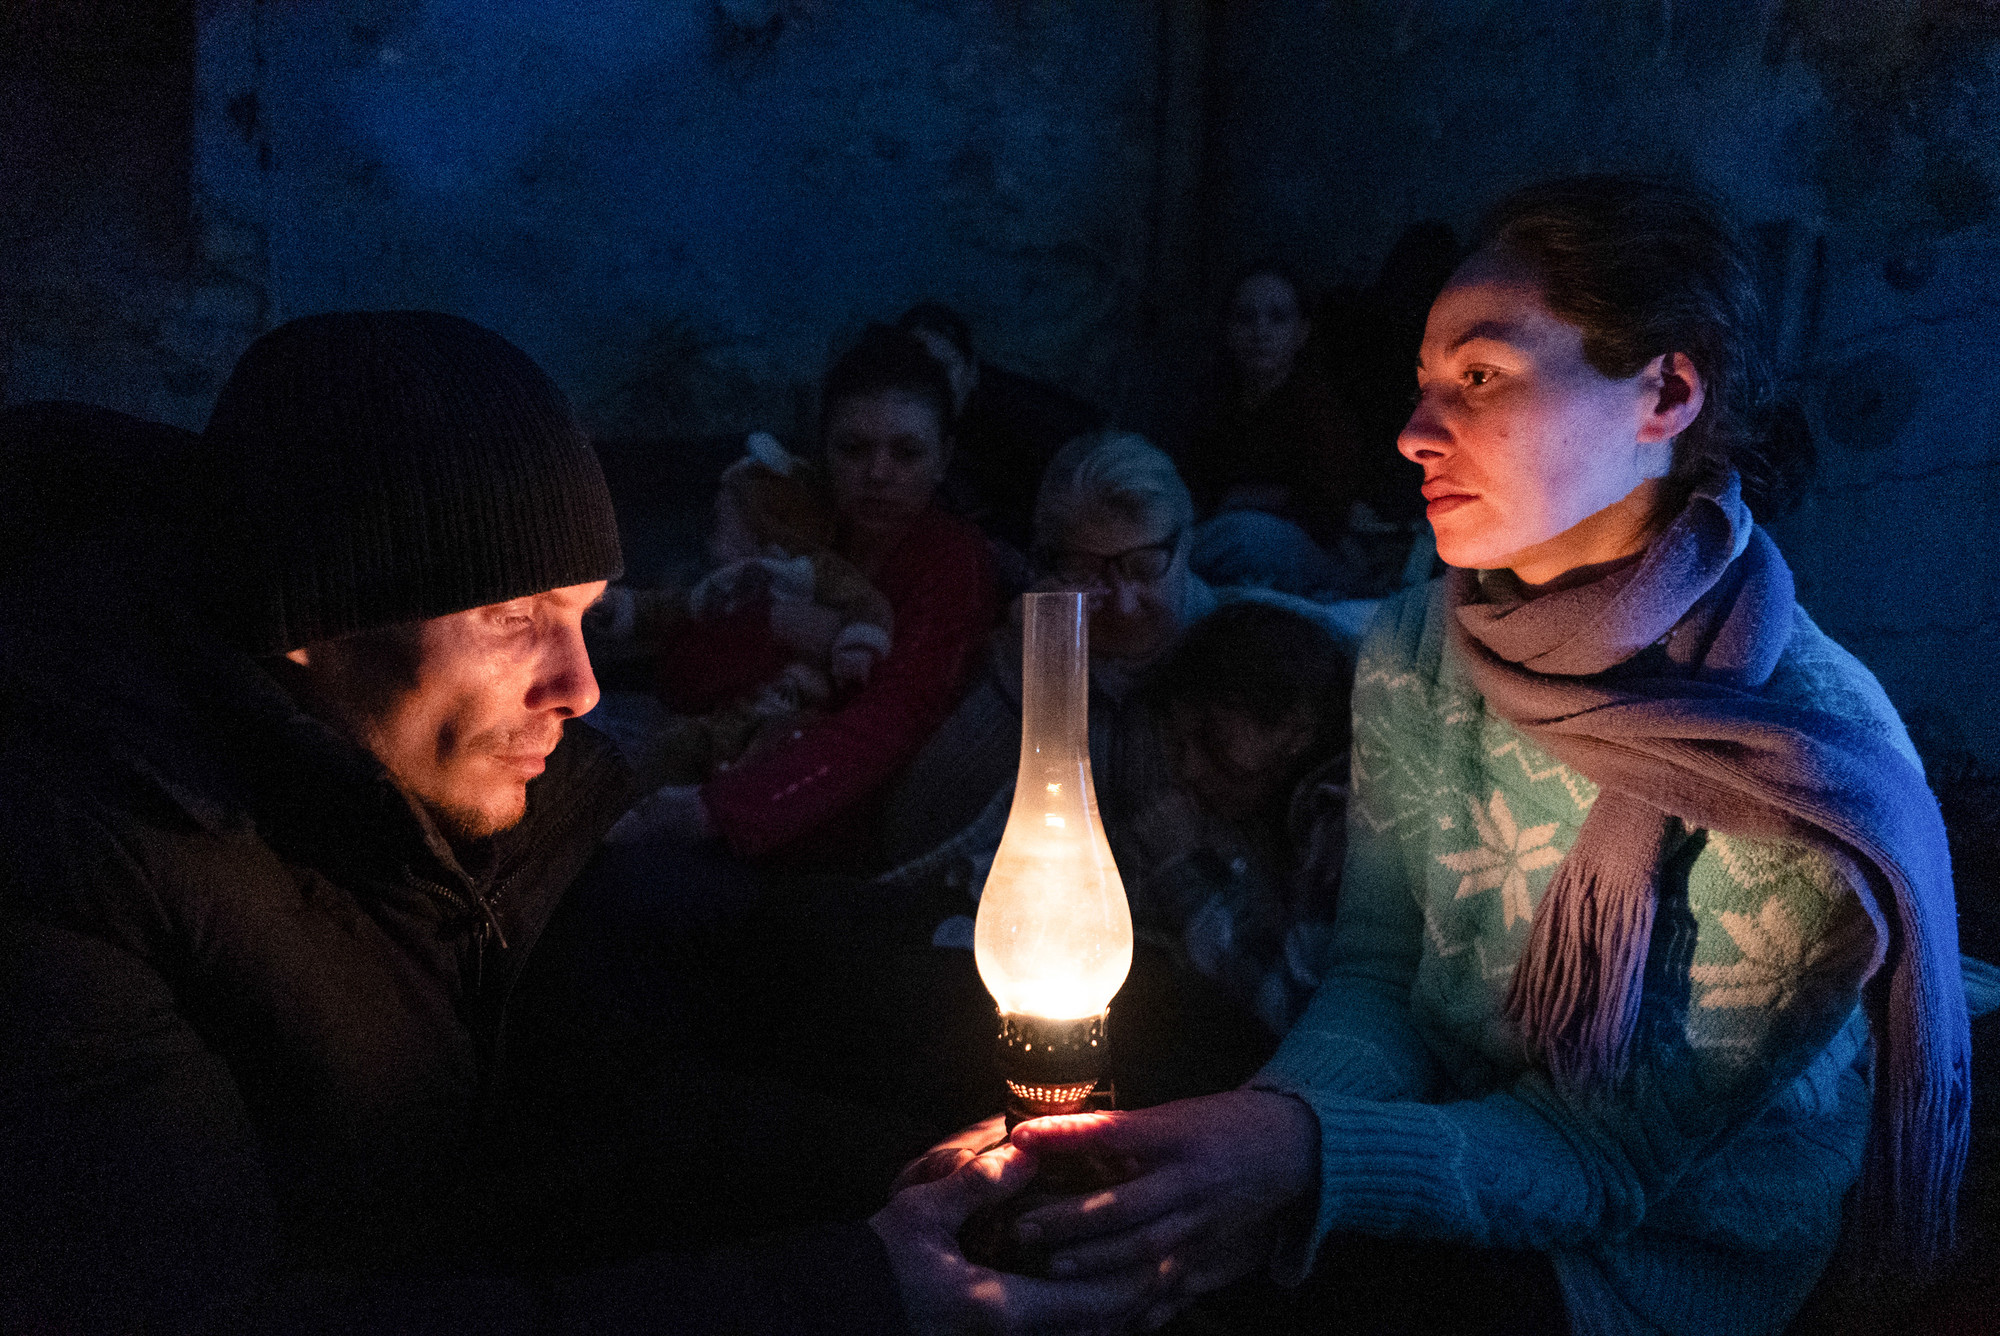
[(1704, 1195)]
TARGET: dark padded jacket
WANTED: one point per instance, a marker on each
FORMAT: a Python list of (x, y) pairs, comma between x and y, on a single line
[(256, 1065)]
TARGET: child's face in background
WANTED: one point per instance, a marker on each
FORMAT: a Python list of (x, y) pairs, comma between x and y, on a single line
[(729, 536), (1234, 764)]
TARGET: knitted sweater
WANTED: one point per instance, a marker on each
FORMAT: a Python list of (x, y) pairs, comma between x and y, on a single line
[(1701, 1194)]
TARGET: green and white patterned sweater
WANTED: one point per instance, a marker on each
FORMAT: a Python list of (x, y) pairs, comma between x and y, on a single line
[(1703, 1194)]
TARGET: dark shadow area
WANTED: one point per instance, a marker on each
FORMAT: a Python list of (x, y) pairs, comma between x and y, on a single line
[(96, 210)]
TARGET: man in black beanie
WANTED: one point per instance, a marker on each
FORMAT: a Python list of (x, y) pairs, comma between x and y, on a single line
[(279, 845)]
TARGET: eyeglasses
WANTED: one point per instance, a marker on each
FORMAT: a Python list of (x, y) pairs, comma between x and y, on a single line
[(1135, 565)]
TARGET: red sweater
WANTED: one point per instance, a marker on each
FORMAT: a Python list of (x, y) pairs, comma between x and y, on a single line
[(939, 581)]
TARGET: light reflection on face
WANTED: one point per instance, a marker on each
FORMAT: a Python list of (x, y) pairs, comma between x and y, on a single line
[(1521, 440), (475, 707)]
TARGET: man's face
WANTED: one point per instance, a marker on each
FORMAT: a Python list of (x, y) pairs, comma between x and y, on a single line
[(475, 708)]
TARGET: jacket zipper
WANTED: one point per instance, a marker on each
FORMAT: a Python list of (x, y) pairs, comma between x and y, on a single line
[(488, 928)]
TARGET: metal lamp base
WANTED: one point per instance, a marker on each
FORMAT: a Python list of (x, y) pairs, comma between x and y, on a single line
[(1051, 1066)]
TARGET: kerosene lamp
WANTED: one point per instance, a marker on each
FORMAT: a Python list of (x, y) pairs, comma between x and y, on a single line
[(1053, 940)]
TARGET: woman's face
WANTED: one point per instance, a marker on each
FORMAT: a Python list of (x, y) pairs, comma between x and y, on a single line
[(885, 456), (1534, 461), (1136, 576), (1266, 328)]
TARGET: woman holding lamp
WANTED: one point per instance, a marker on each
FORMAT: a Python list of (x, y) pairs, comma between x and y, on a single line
[(1646, 951)]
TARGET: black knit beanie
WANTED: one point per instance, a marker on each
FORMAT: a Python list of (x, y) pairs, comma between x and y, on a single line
[(376, 467)]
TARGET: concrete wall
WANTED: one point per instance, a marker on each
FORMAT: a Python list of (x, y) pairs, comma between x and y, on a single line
[(1855, 138), (96, 245), (680, 206)]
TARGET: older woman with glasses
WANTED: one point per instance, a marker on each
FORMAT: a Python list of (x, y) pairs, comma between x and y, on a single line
[(1112, 518)]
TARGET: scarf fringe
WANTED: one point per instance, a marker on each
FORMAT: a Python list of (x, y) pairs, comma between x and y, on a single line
[(1920, 1132), (1575, 993)]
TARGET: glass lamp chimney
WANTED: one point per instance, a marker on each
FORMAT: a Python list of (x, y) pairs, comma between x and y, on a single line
[(1053, 940)]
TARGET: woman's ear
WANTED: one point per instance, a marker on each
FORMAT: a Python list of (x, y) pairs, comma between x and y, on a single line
[(1674, 392)]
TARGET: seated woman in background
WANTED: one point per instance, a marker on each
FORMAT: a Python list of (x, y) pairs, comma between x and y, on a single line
[(1633, 843), (885, 406), (1112, 518), (1274, 467)]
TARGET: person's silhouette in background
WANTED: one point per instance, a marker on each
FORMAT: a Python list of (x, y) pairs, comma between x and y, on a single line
[(1008, 426)]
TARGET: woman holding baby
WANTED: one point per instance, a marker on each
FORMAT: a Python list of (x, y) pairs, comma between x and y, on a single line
[(885, 430)]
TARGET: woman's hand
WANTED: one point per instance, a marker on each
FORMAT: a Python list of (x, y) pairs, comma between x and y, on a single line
[(1216, 1178), (944, 1293)]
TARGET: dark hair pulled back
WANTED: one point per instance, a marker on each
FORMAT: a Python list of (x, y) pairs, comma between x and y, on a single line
[(886, 360), (1644, 266)]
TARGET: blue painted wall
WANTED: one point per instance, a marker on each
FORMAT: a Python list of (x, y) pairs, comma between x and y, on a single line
[(680, 206)]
